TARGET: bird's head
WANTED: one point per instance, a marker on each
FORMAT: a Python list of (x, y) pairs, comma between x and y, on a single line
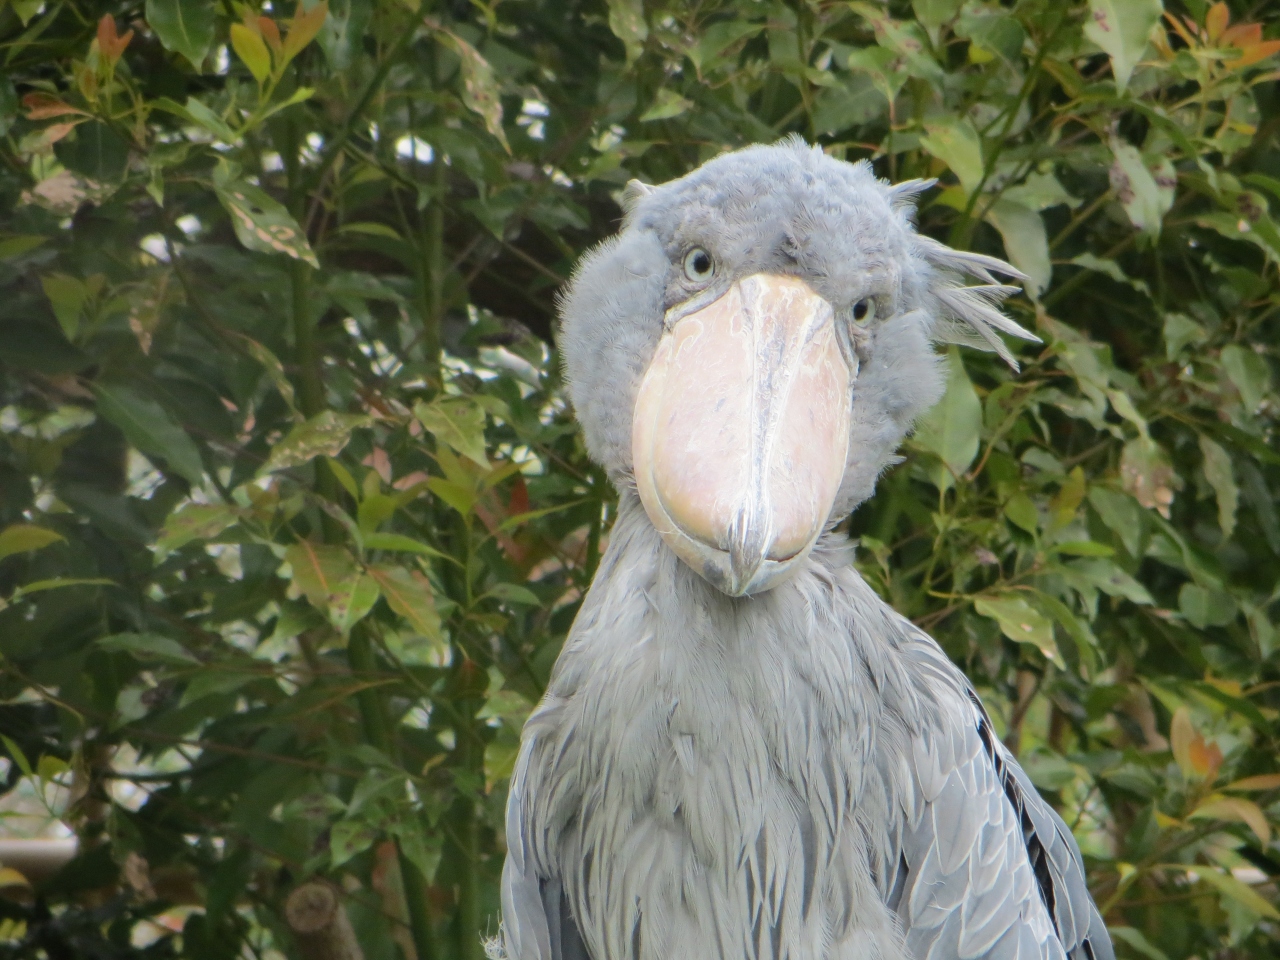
[(754, 344)]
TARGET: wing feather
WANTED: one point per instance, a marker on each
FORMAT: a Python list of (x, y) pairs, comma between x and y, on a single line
[(991, 871), (536, 920)]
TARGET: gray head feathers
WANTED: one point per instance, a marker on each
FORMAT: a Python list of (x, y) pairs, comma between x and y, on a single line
[(785, 208)]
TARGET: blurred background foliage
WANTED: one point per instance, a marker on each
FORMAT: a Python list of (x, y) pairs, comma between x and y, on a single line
[(294, 518)]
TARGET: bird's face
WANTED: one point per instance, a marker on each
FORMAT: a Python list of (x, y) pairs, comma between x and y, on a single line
[(750, 350)]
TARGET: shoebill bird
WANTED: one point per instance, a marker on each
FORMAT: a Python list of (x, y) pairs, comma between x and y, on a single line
[(744, 753)]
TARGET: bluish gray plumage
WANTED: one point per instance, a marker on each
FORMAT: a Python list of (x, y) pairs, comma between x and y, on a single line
[(800, 773)]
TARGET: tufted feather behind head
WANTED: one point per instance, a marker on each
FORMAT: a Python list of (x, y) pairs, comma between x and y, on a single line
[(968, 314)]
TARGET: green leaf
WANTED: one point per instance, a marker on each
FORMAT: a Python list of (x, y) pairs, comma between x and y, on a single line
[(1217, 470), (21, 537), (1083, 548), (274, 369), (1180, 331), (350, 837), (1204, 607), (716, 39), (667, 104), (935, 13), (480, 90), (457, 422), (1134, 939), (1022, 230), (15, 245), (1121, 29), (398, 541), (59, 583), (96, 151), (252, 51), (213, 679), (326, 434), (352, 600), (409, 594), (68, 295), (1022, 512), (333, 582), (1110, 579), (149, 646), (514, 593), (955, 142), (1020, 622), (184, 26), (1121, 514), (455, 495), (1249, 373), (198, 113), (18, 756), (1145, 199), (196, 521), (318, 568), (950, 429), (261, 222), (626, 20), (1002, 36), (1228, 886), (150, 428)]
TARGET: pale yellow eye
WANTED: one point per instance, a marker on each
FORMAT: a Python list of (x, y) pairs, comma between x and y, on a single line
[(698, 265), (864, 311)]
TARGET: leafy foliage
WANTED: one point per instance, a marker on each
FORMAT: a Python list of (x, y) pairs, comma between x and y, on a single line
[(294, 518)]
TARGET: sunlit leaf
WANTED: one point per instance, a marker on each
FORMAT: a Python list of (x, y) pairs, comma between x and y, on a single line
[(667, 104), (1218, 807), (1145, 198), (955, 142), (252, 51), (196, 521), (950, 429), (324, 435), (457, 422), (261, 222), (1021, 622), (626, 20), (1238, 891), (1121, 28), (480, 92), (22, 537), (1249, 373), (409, 594), (1022, 229)]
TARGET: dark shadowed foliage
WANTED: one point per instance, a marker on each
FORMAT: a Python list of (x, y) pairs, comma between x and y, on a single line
[(294, 517)]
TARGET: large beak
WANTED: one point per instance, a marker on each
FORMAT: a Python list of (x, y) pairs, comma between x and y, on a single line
[(741, 430)]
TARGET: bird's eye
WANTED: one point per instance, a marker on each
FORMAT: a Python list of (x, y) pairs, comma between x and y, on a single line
[(864, 310), (698, 265)]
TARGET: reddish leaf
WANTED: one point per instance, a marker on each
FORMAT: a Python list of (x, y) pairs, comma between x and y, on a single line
[(110, 44), (270, 33), (304, 27), (42, 106)]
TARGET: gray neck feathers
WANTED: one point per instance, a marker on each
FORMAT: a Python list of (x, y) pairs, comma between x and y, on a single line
[(715, 765)]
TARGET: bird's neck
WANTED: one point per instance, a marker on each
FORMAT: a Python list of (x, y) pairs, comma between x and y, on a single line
[(646, 604)]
